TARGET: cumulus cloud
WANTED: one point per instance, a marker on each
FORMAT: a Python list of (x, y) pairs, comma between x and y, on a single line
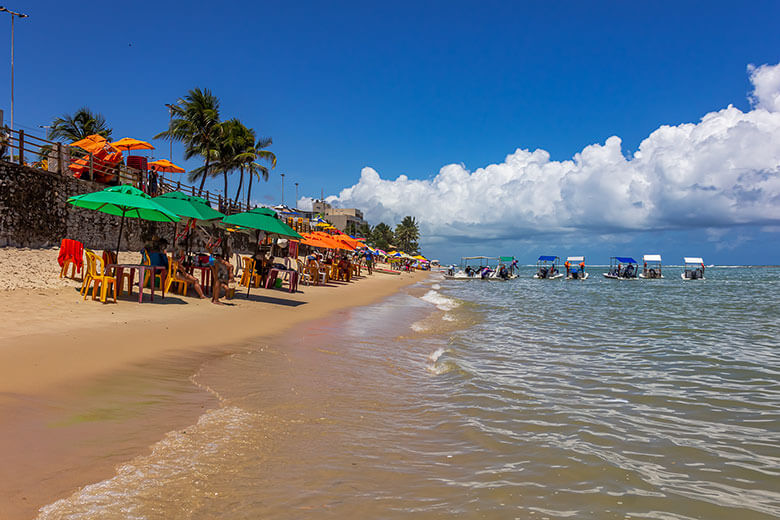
[(719, 172)]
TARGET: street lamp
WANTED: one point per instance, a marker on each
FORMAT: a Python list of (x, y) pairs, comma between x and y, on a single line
[(20, 15), (170, 125), (282, 188), (296, 194)]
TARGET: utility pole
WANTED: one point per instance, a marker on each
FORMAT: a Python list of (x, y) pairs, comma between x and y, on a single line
[(296, 194), (282, 188), (20, 15)]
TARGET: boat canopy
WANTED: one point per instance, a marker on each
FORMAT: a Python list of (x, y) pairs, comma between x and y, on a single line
[(693, 260), (652, 258), (576, 259), (625, 259), (478, 258), (548, 258), (506, 258)]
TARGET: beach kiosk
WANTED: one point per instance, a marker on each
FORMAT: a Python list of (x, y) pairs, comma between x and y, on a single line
[(652, 267)]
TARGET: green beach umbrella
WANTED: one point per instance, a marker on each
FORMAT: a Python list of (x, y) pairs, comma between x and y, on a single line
[(260, 220), (125, 201), (263, 211), (188, 206)]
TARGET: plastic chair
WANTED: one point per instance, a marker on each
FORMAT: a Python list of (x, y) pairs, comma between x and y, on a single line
[(173, 277), (109, 257), (94, 268), (303, 273), (249, 276), (158, 277), (71, 255)]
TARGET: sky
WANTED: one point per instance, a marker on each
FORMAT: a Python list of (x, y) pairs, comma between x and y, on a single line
[(512, 128)]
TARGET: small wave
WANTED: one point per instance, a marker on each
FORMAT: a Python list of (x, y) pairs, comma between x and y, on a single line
[(436, 287), (419, 326), (440, 301), (448, 317), (433, 366)]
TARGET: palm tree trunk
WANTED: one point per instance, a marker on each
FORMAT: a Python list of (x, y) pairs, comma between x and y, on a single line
[(240, 183), (249, 190), (225, 192), (203, 179)]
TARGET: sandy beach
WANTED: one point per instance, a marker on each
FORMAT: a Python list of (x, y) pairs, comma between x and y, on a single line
[(70, 362)]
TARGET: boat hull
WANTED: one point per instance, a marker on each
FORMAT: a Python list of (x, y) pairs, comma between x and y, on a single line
[(553, 277), (584, 277), (613, 277)]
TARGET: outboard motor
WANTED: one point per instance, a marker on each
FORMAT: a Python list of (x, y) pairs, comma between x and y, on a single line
[(542, 272)]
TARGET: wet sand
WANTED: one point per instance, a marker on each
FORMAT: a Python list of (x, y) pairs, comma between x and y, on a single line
[(85, 386)]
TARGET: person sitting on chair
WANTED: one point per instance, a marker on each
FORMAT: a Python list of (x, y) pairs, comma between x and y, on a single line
[(222, 274)]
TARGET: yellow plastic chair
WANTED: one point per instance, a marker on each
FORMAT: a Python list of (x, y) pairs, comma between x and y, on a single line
[(249, 275), (173, 277), (94, 268)]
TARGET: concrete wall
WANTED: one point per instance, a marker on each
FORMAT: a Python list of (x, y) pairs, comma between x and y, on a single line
[(34, 213)]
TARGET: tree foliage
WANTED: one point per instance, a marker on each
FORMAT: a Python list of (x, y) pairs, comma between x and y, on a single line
[(82, 123), (407, 233), (195, 122), (381, 236)]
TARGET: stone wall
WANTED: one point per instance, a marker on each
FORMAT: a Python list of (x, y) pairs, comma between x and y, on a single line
[(34, 213)]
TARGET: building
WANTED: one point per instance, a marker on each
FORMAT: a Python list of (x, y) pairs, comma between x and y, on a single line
[(339, 217)]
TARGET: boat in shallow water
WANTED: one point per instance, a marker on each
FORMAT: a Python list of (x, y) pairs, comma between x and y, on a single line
[(576, 269), (651, 270), (488, 268), (548, 268), (693, 268), (622, 268)]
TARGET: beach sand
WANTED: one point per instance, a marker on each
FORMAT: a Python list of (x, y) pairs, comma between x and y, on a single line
[(85, 386)]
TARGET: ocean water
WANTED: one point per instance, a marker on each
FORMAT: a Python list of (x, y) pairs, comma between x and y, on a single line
[(601, 399)]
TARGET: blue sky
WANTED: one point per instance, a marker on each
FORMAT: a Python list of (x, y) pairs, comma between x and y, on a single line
[(406, 88)]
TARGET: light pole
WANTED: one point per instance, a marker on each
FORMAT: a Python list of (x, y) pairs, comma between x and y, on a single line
[(282, 188), (296, 194), (170, 125), (20, 15)]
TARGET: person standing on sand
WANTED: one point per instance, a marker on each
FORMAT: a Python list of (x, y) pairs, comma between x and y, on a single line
[(369, 262)]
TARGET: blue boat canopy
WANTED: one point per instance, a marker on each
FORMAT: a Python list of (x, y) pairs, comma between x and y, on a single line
[(548, 258), (625, 259)]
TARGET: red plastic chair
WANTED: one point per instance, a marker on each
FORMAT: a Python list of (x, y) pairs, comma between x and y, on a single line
[(71, 254)]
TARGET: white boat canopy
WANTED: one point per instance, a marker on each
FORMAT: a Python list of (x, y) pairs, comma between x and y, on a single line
[(693, 260), (575, 259), (652, 258)]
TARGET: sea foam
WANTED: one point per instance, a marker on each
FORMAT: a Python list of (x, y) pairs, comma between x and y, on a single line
[(440, 301)]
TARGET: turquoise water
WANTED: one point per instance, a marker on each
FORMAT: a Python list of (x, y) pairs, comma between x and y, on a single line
[(524, 399)]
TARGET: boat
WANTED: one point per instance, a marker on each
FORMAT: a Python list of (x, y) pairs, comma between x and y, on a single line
[(622, 268), (576, 271), (693, 268), (548, 268), (488, 268), (651, 269)]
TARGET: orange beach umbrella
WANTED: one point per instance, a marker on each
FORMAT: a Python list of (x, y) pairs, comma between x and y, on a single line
[(128, 143), (166, 166), (94, 143)]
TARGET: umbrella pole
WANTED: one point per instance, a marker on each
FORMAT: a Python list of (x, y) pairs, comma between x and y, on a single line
[(118, 242)]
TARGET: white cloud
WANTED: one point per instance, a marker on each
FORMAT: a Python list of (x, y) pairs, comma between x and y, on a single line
[(722, 171), (766, 83)]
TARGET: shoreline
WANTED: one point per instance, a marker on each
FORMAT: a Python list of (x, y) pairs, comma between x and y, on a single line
[(72, 369)]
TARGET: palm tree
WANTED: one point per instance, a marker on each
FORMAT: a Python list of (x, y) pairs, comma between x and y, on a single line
[(381, 236), (81, 124), (406, 235), (195, 122), (245, 154), (228, 150), (256, 169)]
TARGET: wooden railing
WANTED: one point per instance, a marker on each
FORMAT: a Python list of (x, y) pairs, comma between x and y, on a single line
[(20, 147)]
